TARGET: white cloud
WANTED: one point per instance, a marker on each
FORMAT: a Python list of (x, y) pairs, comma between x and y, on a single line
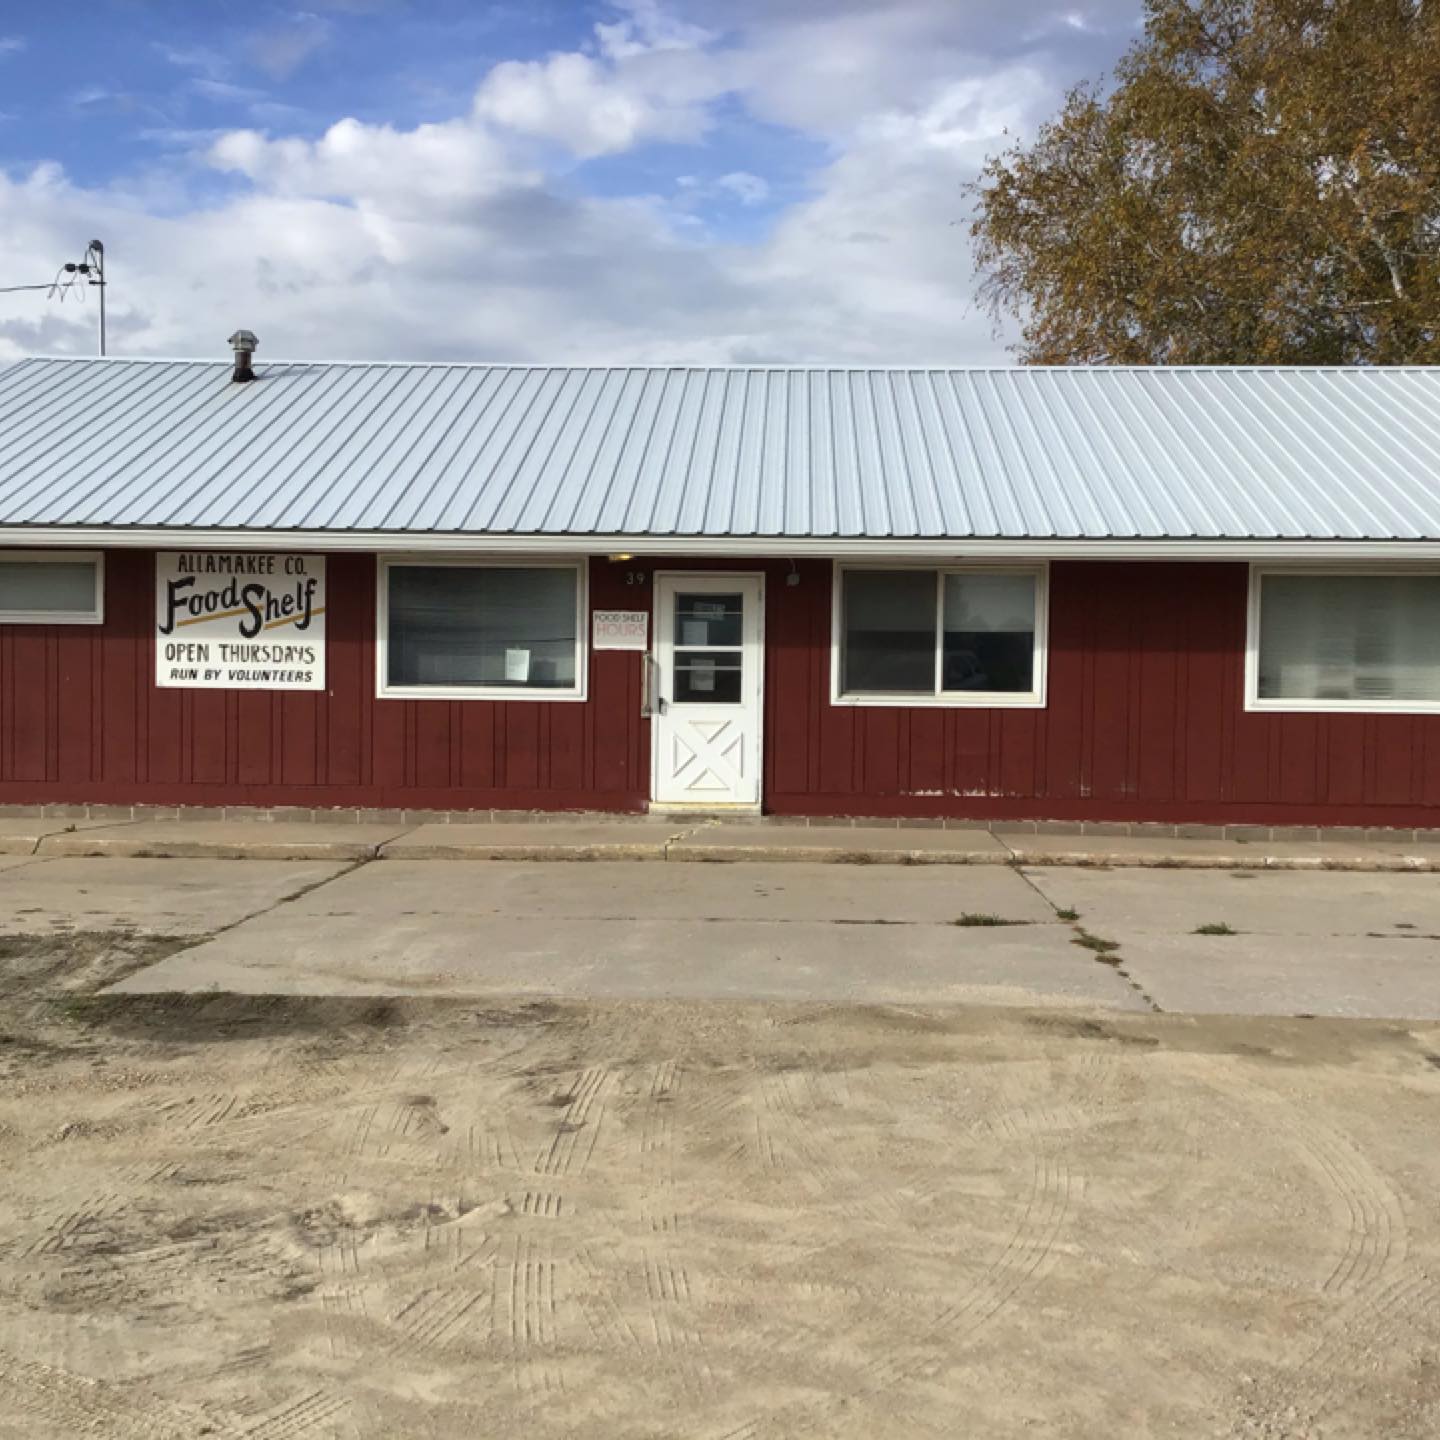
[(648, 76), (583, 105), (433, 170), (226, 91), (11, 45), (645, 28), (877, 262), (748, 189), (280, 50), (199, 58), (451, 239)]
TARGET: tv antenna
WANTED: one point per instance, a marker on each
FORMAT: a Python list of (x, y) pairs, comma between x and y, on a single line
[(75, 276), (89, 271)]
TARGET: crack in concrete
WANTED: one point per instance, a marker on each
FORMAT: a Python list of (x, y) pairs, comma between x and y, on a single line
[(1113, 962), (75, 830), (31, 860), (194, 942), (680, 836)]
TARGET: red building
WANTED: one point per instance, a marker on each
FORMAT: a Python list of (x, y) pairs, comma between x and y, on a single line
[(1194, 595)]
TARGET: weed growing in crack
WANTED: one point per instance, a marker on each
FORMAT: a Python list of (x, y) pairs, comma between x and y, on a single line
[(1215, 927), (1095, 943), (1067, 914), (970, 918)]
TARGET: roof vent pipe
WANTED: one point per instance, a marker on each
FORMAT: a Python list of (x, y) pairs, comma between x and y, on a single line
[(244, 343)]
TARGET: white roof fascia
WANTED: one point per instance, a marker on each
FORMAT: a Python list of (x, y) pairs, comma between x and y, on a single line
[(339, 542)]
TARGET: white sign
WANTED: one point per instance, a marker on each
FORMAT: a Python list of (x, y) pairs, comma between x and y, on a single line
[(239, 621), (620, 630)]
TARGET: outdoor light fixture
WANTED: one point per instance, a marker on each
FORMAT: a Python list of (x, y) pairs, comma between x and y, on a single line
[(620, 559)]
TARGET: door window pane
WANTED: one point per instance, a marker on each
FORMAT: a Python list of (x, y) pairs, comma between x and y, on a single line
[(989, 640), (888, 643), (703, 619), (462, 626), (706, 678), (60, 587), (1350, 637)]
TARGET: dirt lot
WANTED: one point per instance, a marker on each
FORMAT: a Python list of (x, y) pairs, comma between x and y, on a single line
[(304, 1217)]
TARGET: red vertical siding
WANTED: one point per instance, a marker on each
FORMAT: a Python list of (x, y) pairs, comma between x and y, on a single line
[(1144, 719)]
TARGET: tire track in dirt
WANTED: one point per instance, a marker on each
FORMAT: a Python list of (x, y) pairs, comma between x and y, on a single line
[(486, 1145), (674, 1325), (793, 1134), (301, 1415), (541, 1205), (341, 1308), (249, 1358), (149, 1271), (340, 1259), (657, 1123), (1029, 1251), (87, 1225), (571, 1147), (407, 1127), (1378, 1298), (1376, 1236), (91, 1220), (525, 1299), (84, 1406), (643, 1306), (606, 1320), (1408, 1307), (1106, 1091), (435, 1317), (455, 1308), (196, 1112)]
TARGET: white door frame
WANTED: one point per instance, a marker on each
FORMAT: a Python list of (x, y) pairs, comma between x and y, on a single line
[(666, 583)]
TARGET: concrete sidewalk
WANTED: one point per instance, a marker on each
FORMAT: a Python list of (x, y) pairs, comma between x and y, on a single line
[(625, 838), (1198, 941)]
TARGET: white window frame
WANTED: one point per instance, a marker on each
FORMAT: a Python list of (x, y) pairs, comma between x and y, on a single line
[(94, 616), (1319, 707), (948, 699), (385, 691)]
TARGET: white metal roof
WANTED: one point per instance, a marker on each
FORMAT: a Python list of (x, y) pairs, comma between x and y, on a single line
[(804, 455)]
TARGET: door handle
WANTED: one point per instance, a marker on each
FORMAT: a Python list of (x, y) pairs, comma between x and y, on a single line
[(651, 700)]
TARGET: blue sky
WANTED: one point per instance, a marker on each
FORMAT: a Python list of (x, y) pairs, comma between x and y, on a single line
[(648, 180)]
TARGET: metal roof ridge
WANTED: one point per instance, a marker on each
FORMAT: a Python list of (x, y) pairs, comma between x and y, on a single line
[(798, 367)]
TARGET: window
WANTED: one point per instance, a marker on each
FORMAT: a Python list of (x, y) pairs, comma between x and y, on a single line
[(58, 587), (710, 627), (458, 630), (939, 637), (1342, 640)]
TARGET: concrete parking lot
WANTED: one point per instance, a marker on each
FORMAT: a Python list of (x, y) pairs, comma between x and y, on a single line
[(453, 1149), (1303, 942)]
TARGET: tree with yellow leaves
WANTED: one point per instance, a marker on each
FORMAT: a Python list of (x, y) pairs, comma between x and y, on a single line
[(1261, 185)]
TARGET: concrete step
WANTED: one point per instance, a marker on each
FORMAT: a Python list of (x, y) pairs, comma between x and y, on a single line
[(650, 840)]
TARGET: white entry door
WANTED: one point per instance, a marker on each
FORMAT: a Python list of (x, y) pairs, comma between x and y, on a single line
[(706, 702)]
